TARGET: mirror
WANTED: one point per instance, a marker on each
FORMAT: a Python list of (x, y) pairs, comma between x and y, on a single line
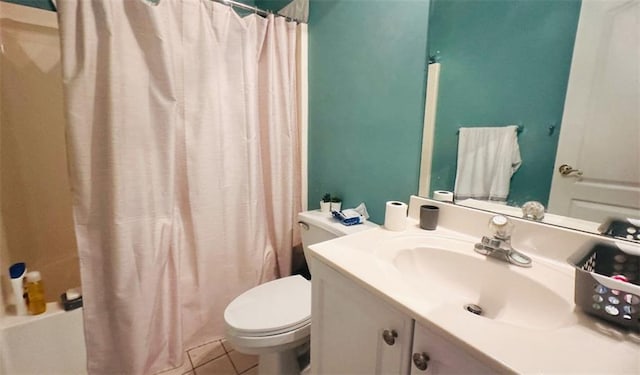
[(557, 69)]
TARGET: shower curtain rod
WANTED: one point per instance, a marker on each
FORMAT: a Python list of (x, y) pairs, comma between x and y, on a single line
[(256, 10), (231, 3)]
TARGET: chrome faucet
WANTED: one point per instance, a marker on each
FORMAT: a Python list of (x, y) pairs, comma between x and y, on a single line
[(499, 245)]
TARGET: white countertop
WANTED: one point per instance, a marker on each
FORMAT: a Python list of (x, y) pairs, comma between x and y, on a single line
[(577, 344)]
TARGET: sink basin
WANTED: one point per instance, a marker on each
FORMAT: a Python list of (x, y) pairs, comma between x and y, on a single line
[(450, 271)]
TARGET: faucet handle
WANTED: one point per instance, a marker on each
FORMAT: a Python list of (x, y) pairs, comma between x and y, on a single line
[(501, 227)]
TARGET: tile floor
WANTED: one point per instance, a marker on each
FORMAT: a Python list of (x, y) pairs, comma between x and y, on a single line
[(215, 358)]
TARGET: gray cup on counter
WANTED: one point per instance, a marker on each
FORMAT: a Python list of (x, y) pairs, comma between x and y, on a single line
[(429, 217)]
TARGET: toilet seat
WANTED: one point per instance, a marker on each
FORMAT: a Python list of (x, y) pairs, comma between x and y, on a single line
[(266, 333), (274, 308)]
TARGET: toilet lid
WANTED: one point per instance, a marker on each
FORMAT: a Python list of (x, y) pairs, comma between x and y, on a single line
[(275, 307)]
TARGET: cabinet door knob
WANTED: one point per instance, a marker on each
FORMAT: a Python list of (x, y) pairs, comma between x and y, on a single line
[(389, 336), (421, 360)]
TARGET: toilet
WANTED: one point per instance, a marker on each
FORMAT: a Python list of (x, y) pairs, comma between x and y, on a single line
[(273, 320)]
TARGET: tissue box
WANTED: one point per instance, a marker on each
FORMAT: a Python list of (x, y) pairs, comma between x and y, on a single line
[(348, 217)]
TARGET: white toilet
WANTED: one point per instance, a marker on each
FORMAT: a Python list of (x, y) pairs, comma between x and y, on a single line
[(273, 320)]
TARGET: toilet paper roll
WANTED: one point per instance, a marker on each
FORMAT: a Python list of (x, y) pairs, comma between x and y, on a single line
[(443, 196), (395, 216)]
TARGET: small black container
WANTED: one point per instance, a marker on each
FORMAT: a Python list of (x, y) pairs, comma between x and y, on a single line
[(429, 217), (70, 304)]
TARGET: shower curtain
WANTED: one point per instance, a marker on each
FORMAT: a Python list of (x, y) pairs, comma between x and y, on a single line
[(185, 167)]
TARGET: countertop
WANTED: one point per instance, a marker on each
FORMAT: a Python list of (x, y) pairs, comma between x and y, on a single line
[(577, 344)]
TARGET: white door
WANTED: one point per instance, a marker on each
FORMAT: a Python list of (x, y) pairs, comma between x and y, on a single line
[(600, 136), (353, 332), (434, 355)]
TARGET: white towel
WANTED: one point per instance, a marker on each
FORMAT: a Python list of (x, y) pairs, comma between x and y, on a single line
[(487, 158)]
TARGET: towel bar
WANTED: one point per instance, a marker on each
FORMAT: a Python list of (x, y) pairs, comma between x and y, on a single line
[(520, 128)]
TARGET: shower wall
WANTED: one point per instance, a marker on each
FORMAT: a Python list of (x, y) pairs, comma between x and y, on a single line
[(36, 223)]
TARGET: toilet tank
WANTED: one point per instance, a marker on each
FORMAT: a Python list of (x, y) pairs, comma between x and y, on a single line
[(316, 226)]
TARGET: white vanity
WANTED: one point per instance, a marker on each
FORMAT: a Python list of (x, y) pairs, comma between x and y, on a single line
[(357, 332), (395, 303)]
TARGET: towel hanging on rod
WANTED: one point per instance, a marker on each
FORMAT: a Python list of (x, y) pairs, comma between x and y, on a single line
[(487, 159)]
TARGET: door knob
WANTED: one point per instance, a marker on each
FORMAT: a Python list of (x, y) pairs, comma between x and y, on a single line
[(567, 170), (421, 360), (389, 336)]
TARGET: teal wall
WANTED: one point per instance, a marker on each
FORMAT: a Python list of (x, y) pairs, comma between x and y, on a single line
[(367, 62), (503, 62), (42, 4), (273, 5)]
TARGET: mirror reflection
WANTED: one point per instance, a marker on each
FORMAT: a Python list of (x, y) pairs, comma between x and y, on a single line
[(566, 73)]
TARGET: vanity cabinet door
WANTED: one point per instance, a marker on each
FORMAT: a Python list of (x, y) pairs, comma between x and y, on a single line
[(441, 356), (354, 332)]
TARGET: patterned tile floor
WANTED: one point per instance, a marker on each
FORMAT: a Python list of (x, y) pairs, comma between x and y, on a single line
[(215, 358)]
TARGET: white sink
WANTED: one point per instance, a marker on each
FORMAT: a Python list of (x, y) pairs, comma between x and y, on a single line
[(530, 323), (448, 270)]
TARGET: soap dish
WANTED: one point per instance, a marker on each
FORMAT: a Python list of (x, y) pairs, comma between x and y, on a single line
[(607, 282), (70, 304)]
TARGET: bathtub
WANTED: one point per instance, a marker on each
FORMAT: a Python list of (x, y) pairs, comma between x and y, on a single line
[(51, 343)]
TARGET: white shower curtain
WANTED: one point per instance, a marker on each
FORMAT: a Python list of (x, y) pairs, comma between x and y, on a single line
[(184, 149)]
